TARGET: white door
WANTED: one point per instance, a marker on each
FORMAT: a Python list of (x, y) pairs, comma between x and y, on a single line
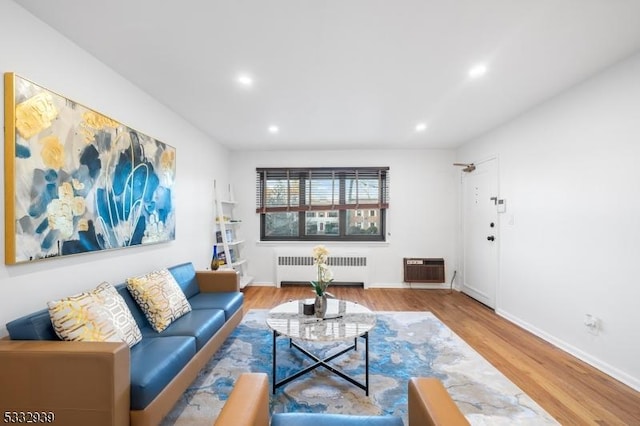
[(480, 230)]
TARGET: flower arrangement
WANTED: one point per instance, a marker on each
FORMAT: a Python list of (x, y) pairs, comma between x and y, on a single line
[(325, 276)]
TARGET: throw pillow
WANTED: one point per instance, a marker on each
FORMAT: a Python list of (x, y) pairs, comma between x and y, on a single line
[(82, 318), (160, 298), (99, 315), (119, 313)]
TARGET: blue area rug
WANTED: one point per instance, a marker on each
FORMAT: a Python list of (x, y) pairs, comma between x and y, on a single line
[(402, 345)]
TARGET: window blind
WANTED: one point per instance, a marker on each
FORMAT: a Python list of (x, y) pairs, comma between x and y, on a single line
[(308, 189)]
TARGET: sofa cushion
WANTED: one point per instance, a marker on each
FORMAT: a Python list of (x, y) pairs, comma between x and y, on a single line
[(230, 302), (82, 317), (35, 326), (185, 276), (160, 297), (201, 324), (325, 419), (155, 361)]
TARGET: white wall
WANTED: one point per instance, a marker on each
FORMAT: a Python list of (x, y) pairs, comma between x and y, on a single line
[(570, 173), (36, 52), (421, 218)]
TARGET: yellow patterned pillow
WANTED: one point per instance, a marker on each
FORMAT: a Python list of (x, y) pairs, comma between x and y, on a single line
[(160, 298), (119, 313), (82, 318)]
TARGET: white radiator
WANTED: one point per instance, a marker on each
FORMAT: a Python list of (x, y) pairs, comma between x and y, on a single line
[(347, 268)]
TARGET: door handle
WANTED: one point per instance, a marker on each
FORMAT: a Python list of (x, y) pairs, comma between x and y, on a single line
[(491, 238)]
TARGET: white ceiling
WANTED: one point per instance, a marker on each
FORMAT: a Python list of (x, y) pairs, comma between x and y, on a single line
[(349, 74)]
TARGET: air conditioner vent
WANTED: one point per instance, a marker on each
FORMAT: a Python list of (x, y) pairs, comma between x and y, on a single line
[(423, 270)]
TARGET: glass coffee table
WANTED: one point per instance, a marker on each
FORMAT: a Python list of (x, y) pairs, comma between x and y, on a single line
[(343, 321)]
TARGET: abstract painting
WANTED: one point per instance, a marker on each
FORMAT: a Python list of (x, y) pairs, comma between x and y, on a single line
[(77, 181)]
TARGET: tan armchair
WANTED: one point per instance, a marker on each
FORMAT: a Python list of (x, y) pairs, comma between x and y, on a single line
[(429, 403)]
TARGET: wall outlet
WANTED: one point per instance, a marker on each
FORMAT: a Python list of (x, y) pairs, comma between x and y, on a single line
[(592, 323)]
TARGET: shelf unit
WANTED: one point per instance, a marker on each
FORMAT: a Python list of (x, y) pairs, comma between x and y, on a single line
[(227, 235)]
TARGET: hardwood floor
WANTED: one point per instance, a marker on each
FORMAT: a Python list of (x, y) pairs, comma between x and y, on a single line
[(570, 390)]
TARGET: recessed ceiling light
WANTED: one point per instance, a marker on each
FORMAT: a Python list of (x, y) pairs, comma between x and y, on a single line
[(478, 70), (274, 129), (245, 80), (421, 127)]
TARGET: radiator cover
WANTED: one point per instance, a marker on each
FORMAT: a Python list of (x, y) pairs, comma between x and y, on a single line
[(347, 269)]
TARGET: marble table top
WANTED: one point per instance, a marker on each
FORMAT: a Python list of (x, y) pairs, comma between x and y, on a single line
[(343, 320)]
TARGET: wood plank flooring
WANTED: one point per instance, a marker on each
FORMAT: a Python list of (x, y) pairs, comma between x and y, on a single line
[(570, 390)]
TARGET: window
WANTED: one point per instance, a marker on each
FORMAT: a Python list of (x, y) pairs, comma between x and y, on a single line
[(322, 203)]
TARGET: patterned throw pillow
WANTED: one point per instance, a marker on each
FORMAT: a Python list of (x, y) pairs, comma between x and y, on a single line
[(99, 315), (82, 318), (160, 298), (119, 312)]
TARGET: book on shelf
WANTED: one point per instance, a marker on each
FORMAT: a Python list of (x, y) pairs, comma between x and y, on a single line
[(229, 234), (222, 257)]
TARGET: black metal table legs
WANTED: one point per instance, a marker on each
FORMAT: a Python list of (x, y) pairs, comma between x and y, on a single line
[(324, 363)]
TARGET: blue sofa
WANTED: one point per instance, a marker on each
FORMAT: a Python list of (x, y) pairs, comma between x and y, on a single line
[(107, 383)]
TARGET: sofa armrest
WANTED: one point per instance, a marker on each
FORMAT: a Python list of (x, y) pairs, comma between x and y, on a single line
[(80, 383), (215, 281), (248, 403), (431, 405)]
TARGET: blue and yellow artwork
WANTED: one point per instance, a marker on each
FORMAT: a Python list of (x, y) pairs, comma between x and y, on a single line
[(77, 181)]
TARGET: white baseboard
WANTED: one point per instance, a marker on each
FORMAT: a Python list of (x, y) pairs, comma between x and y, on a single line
[(621, 376), (416, 286), (257, 284)]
